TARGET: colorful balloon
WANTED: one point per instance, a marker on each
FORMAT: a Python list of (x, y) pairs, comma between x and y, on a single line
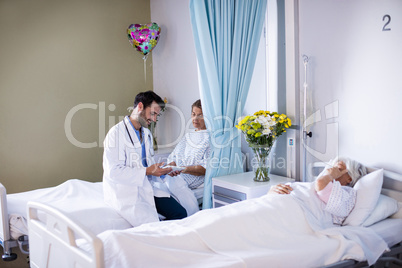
[(143, 37)]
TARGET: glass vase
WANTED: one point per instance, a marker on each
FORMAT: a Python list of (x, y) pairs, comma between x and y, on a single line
[(261, 166)]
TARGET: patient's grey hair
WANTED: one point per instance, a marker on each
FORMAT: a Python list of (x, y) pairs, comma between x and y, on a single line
[(355, 169)]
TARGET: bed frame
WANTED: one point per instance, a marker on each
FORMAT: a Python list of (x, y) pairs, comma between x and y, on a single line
[(67, 233), (62, 235), (5, 239)]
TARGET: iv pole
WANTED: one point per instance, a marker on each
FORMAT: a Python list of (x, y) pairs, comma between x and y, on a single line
[(304, 133)]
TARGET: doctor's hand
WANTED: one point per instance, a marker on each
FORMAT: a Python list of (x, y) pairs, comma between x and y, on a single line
[(156, 170)]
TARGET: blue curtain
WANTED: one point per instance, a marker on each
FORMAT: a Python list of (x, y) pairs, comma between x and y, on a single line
[(226, 35)]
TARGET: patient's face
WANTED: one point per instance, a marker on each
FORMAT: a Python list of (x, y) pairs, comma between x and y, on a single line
[(345, 179), (197, 118)]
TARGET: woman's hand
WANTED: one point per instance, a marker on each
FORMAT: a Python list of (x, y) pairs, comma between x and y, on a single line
[(337, 171), (330, 174), (174, 173), (194, 170), (280, 189)]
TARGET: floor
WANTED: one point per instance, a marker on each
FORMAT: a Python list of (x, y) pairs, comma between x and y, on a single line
[(22, 260)]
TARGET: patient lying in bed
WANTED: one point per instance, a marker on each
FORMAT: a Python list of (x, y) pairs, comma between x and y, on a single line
[(334, 186), (277, 229)]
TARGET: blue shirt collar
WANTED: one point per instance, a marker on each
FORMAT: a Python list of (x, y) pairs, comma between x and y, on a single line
[(137, 131)]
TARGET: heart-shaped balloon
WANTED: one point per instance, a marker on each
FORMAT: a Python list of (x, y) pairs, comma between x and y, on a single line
[(144, 37)]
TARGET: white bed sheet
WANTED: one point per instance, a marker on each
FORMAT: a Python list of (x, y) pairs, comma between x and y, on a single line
[(82, 201), (199, 192), (274, 230), (390, 230)]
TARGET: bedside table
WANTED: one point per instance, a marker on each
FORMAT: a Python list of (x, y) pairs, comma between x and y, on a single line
[(237, 187)]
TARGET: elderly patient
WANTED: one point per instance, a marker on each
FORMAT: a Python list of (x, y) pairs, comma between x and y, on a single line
[(334, 186)]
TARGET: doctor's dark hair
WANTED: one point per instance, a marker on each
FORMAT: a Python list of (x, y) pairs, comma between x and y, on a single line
[(147, 98)]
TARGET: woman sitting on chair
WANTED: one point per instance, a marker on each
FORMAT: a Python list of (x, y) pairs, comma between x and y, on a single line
[(192, 153)]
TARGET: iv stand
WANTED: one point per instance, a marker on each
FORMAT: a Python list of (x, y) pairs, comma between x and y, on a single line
[(304, 133)]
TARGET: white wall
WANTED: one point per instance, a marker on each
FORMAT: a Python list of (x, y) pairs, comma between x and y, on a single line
[(354, 79), (175, 69)]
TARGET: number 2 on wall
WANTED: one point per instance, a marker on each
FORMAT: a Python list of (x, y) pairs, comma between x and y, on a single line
[(387, 19)]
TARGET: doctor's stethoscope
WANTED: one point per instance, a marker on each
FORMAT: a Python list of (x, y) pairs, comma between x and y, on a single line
[(149, 136), (129, 135)]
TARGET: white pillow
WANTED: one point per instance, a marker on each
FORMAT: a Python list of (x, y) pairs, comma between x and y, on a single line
[(386, 206), (368, 190), (398, 214)]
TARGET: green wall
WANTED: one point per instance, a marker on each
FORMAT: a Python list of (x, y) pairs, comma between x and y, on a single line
[(64, 60)]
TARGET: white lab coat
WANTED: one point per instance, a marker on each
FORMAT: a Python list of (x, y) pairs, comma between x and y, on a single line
[(126, 187)]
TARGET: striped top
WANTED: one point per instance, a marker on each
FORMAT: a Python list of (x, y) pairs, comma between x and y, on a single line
[(192, 150), (340, 200)]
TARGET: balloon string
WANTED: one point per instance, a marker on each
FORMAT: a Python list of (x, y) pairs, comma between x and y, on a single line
[(145, 68)]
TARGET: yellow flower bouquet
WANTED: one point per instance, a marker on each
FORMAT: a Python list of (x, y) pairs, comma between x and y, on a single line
[(261, 130)]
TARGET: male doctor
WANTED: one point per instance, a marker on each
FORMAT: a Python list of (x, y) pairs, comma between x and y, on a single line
[(131, 180)]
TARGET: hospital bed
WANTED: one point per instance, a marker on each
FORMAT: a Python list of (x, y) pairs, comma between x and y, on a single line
[(82, 201), (50, 228)]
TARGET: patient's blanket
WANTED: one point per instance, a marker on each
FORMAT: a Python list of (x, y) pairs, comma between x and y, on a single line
[(81, 200), (271, 231)]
